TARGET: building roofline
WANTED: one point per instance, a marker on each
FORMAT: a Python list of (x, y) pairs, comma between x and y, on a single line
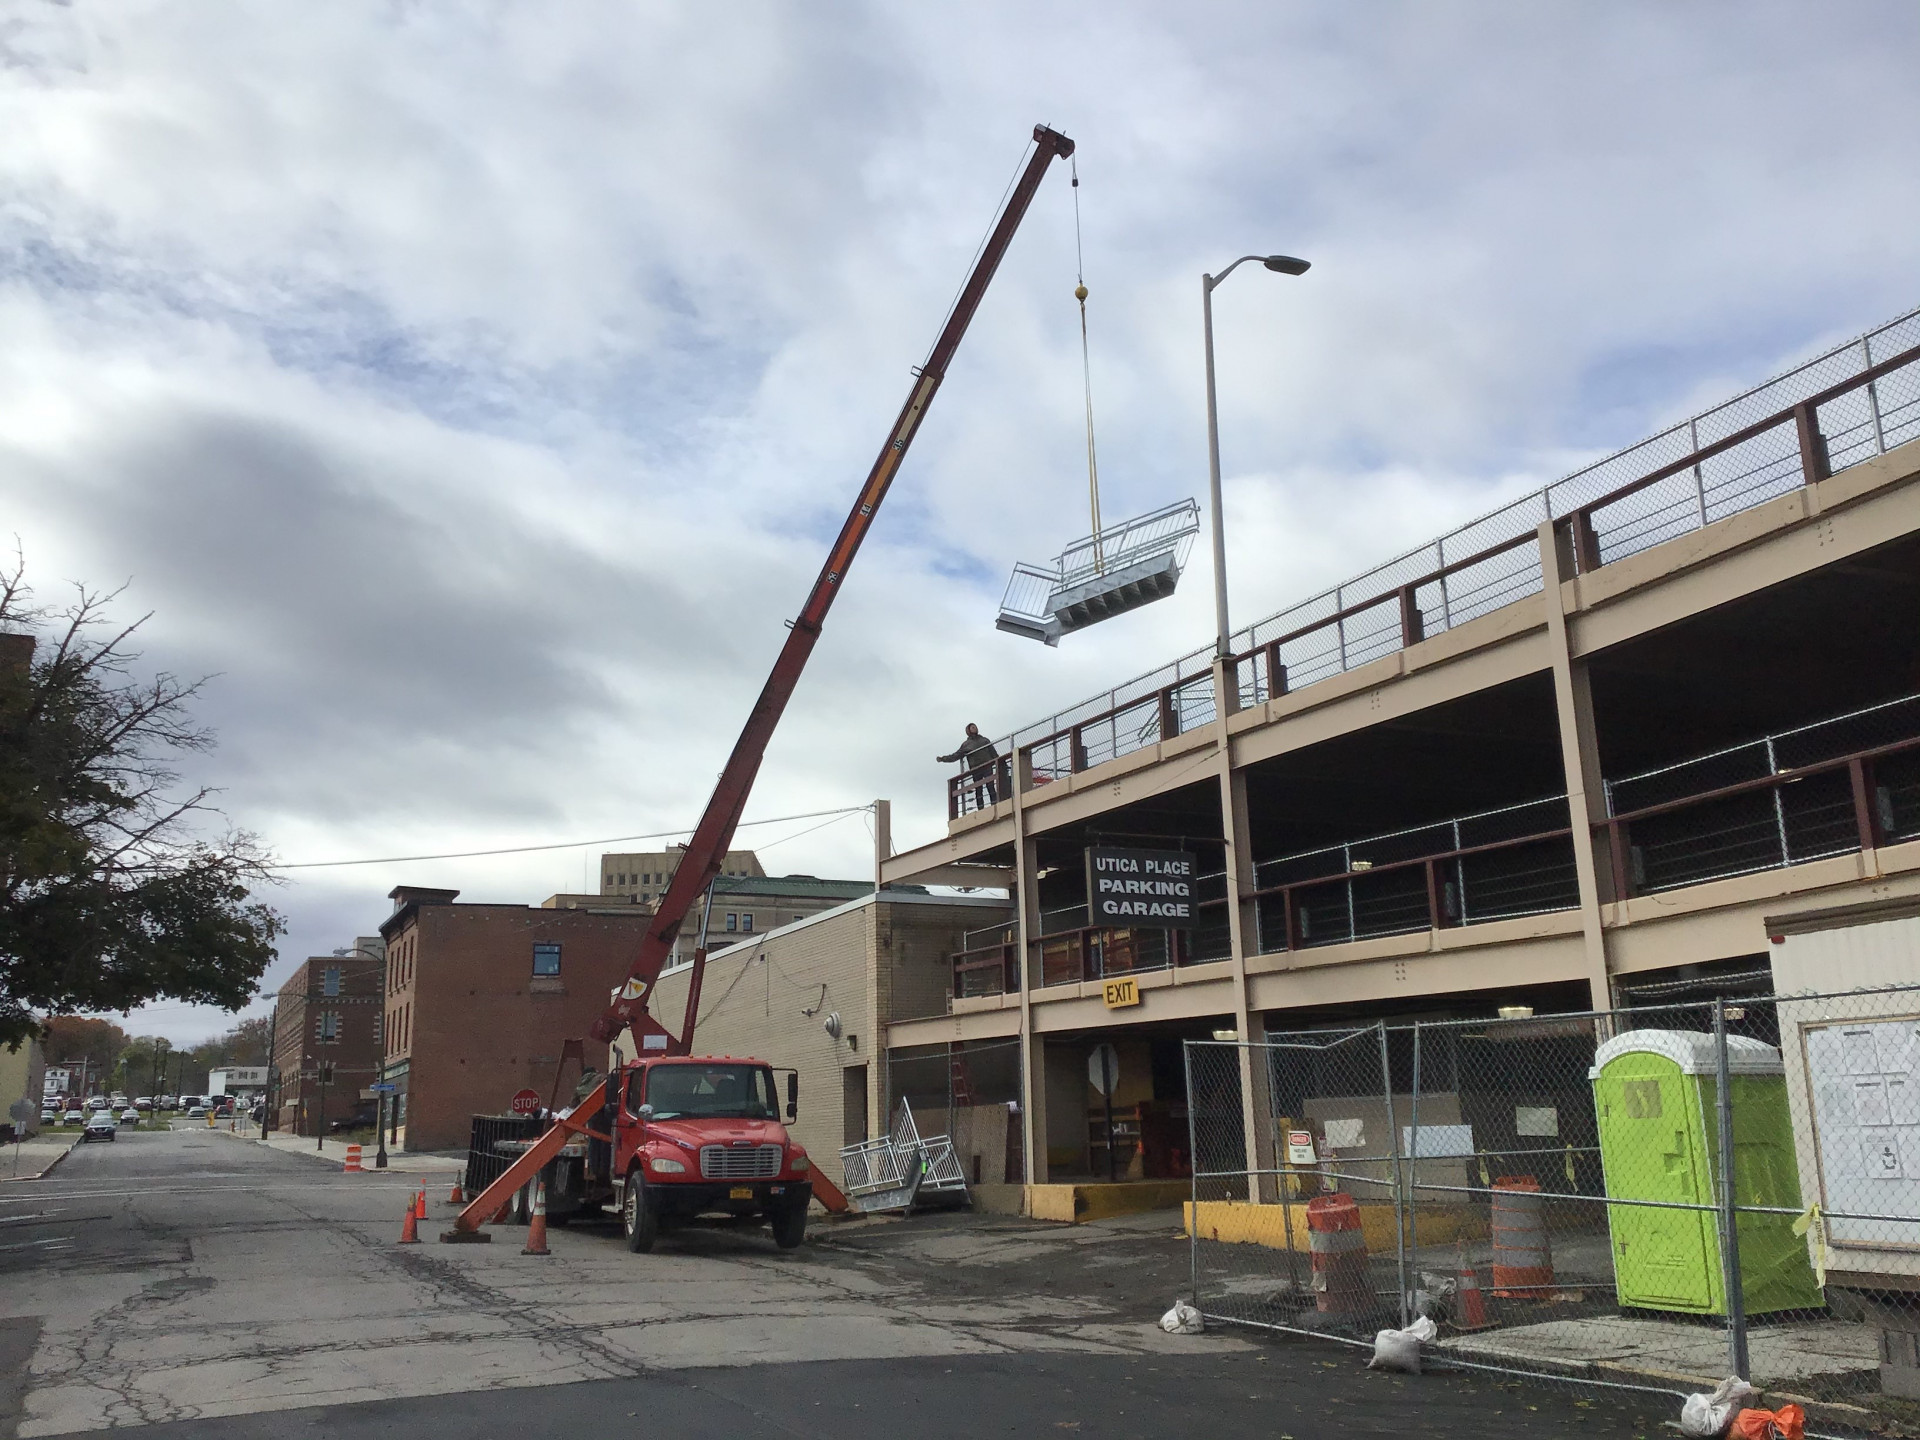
[(892, 897)]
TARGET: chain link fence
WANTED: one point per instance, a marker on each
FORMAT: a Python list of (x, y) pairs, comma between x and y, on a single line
[(970, 1092), (1650, 1199)]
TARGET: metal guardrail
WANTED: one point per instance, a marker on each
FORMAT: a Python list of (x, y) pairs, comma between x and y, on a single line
[(1846, 406)]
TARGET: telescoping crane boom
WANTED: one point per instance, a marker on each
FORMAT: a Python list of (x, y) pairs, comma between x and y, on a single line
[(707, 849)]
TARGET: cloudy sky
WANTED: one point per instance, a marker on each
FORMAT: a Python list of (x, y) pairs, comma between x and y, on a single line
[(472, 389)]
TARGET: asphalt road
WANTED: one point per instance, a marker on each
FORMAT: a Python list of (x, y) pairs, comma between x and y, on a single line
[(198, 1285)]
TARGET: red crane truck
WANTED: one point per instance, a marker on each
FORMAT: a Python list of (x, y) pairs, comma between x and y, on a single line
[(667, 1159)]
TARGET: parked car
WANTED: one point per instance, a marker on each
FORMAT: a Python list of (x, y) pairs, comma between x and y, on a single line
[(129, 1116), (222, 1105), (196, 1112), (143, 1102), (169, 1102), (74, 1116), (117, 1101), (100, 1126), (365, 1118), (49, 1116), (259, 1113), (97, 1102)]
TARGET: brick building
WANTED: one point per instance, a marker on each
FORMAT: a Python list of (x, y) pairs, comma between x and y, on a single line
[(327, 1038), (480, 999)]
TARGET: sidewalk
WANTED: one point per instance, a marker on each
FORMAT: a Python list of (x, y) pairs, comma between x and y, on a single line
[(334, 1153), (34, 1157)]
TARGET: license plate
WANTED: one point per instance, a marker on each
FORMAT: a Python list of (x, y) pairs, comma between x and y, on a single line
[(740, 1192)]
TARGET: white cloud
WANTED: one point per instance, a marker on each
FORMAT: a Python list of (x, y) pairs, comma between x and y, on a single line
[(474, 388)]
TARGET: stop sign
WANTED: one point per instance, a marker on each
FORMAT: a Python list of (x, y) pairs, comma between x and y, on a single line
[(526, 1102)]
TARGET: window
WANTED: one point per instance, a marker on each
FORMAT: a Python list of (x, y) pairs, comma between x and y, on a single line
[(733, 921), (742, 1092), (746, 923), (326, 1029), (546, 959), (330, 980), (609, 880)]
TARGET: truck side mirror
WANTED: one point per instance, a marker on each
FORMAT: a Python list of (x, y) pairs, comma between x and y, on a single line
[(645, 1112), (793, 1094)]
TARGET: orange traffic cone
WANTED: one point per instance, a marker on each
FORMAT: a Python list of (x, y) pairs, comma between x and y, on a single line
[(537, 1221), (459, 1196), (410, 1227), (420, 1204), (1470, 1309)]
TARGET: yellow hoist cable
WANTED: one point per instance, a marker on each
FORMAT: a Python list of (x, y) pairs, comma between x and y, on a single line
[(1086, 375)]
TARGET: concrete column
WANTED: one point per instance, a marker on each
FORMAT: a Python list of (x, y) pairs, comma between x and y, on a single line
[(1580, 758), (879, 1005), (1254, 1106), (1033, 1050)]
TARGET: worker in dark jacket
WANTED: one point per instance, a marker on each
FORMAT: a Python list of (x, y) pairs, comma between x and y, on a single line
[(976, 752)]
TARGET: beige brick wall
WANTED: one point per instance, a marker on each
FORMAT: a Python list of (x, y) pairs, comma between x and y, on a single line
[(753, 995)]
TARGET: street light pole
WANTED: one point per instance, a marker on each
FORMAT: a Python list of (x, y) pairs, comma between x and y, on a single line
[(1283, 265)]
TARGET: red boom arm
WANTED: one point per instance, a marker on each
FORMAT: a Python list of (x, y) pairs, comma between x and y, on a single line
[(713, 836)]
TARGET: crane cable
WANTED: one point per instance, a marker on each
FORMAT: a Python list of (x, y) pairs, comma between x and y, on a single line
[(1086, 373)]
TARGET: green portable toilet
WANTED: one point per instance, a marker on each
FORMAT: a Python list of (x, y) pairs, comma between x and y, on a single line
[(1655, 1093)]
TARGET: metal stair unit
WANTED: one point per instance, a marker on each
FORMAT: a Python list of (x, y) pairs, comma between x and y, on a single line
[(1122, 568), (895, 1171)]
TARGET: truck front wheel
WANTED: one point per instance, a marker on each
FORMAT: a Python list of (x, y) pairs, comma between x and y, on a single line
[(642, 1221), (790, 1226)]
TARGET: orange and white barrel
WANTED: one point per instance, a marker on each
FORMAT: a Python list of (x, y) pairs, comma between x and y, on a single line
[(1522, 1260), (1339, 1247), (353, 1166)]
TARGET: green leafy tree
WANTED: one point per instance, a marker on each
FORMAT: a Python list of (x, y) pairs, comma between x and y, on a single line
[(112, 892), (79, 1040)]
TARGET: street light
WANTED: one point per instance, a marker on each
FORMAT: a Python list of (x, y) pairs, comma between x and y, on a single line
[(1281, 265), (380, 1075), (320, 1126)]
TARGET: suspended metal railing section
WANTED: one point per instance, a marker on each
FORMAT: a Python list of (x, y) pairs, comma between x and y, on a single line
[(1848, 405), (1121, 568)]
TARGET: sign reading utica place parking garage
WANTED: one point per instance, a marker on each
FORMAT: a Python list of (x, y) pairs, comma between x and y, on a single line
[(1147, 888)]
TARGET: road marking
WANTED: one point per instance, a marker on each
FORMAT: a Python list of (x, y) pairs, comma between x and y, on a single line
[(33, 1215), (339, 1189), (37, 1244)]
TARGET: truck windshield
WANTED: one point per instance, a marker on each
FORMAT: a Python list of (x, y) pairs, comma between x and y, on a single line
[(736, 1092)]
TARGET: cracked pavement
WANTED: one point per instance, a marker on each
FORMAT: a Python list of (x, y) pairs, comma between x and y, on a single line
[(172, 1279)]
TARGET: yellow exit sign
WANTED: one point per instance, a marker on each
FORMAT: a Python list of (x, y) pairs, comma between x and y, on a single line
[(1121, 993)]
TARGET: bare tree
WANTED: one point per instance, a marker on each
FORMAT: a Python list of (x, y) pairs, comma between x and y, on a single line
[(116, 888)]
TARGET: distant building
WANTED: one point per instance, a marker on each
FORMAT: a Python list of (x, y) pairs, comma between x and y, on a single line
[(644, 877), (327, 1038), (748, 905), (22, 1078), (481, 1000)]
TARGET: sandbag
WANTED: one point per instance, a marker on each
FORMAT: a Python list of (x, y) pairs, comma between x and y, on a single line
[(1400, 1349), (1789, 1422), (1182, 1319), (1707, 1417)]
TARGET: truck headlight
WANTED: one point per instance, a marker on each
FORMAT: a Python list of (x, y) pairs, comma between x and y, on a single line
[(799, 1163), (663, 1166)]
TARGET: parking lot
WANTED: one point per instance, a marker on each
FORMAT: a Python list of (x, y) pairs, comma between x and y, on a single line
[(172, 1278)]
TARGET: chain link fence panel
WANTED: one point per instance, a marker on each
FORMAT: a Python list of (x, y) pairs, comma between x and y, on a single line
[(1650, 1198)]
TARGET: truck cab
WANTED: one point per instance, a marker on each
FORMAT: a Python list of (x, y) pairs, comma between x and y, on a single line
[(683, 1138), (703, 1136)]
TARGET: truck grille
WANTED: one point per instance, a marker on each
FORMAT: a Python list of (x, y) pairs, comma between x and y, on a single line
[(741, 1162)]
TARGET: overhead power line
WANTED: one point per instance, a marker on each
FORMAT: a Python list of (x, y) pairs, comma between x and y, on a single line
[(557, 845)]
